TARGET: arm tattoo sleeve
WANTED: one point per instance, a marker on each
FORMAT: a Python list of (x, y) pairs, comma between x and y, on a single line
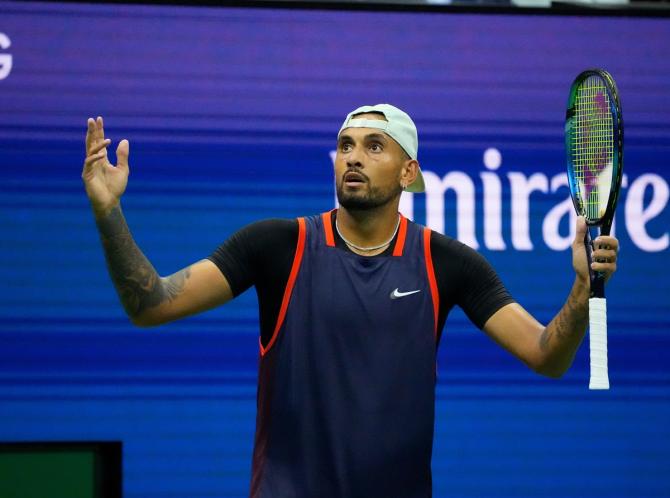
[(138, 284)]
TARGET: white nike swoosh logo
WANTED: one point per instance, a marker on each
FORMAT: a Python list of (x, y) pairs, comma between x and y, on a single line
[(396, 293)]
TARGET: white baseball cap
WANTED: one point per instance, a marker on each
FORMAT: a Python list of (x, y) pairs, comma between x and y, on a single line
[(398, 125)]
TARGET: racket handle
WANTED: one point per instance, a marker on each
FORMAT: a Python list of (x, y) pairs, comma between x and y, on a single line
[(598, 343)]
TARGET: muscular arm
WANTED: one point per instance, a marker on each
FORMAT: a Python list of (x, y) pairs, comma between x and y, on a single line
[(561, 338), (551, 350), (148, 298), (547, 350)]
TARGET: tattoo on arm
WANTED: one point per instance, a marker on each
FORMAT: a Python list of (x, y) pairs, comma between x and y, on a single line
[(138, 284), (569, 325)]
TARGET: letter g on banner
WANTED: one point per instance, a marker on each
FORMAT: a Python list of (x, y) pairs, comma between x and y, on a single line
[(5, 59)]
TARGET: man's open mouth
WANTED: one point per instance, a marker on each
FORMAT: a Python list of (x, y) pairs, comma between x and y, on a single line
[(354, 179)]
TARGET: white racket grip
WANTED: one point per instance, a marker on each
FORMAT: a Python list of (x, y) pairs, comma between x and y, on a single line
[(598, 343)]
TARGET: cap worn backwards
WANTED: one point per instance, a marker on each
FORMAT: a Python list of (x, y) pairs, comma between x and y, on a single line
[(398, 125)]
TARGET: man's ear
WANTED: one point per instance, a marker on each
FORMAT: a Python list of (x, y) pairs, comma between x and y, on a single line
[(409, 172)]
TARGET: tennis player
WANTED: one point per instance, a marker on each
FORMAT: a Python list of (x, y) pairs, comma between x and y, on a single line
[(352, 303)]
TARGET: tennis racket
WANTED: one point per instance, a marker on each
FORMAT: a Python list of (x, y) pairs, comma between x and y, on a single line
[(594, 146)]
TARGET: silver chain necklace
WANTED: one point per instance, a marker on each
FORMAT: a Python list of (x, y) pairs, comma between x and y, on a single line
[(367, 249)]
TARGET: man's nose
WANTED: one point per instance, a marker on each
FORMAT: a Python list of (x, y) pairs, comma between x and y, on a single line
[(353, 159)]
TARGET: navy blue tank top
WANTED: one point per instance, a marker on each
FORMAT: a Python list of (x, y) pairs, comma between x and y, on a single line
[(346, 390)]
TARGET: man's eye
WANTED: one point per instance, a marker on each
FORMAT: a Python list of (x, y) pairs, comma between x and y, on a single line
[(375, 147), (345, 147)]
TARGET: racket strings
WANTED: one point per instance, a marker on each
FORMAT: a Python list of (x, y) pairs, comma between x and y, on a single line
[(592, 145)]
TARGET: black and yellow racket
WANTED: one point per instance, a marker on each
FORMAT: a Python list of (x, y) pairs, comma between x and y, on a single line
[(594, 146)]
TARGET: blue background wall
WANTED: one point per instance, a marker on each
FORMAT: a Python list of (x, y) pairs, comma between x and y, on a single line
[(231, 115)]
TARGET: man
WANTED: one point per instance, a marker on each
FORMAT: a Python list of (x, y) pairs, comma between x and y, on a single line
[(352, 303)]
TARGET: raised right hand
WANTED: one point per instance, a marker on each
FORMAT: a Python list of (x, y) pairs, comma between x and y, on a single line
[(104, 182)]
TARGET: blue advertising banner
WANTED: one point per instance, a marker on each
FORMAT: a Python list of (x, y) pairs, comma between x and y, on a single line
[(232, 116)]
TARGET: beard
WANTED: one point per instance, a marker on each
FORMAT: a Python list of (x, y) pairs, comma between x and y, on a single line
[(364, 200)]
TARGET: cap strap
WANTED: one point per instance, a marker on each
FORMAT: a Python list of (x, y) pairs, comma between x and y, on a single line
[(367, 123)]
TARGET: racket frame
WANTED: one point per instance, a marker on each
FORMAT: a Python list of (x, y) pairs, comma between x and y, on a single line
[(597, 304), (604, 221)]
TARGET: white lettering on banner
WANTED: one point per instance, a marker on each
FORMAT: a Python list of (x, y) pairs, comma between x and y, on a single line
[(492, 201), (522, 187), (464, 188), (552, 221), (406, 206), (637, 216), (5, 59)]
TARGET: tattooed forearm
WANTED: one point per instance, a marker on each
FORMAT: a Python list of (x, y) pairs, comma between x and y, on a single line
[(561, 338), (138, 284), (569, 322)]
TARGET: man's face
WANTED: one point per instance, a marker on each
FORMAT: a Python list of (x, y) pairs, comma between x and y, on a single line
[(368, 167)]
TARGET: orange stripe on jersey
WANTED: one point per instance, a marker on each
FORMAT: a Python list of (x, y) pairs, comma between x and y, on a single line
[(431, 274), (402, 233), (299, 250), (328, 227)]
